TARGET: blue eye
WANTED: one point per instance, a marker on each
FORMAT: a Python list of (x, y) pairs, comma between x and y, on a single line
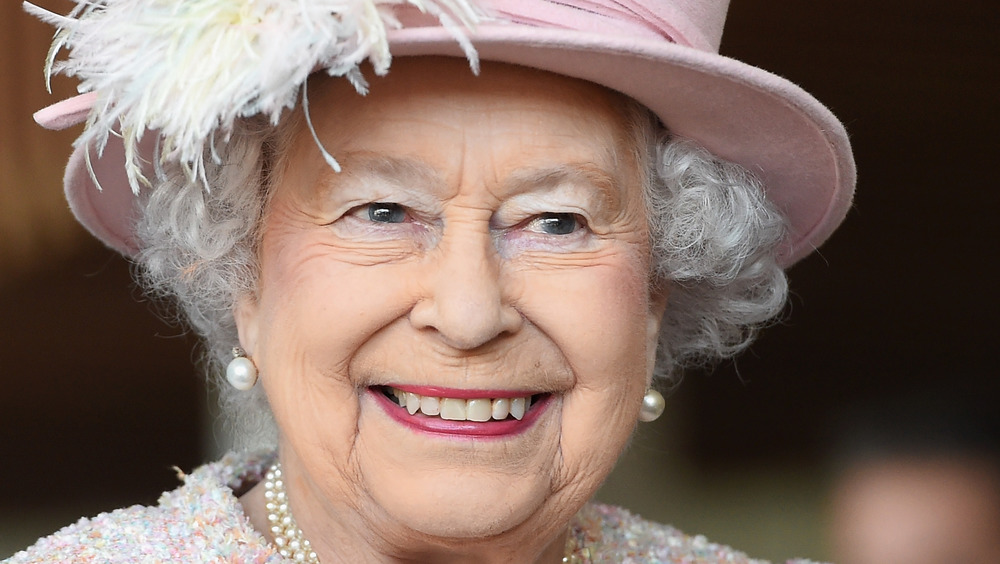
[(557, 223), (380, 212)]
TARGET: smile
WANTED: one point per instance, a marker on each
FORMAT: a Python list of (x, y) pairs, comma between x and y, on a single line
[(459, 409), (439, 411)]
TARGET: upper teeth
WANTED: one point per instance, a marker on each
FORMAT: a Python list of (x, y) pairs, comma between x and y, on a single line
[(454, 409)]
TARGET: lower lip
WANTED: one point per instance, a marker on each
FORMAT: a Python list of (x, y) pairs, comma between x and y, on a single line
[(435, 425)]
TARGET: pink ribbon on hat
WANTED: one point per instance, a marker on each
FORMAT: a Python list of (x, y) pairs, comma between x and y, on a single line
[(648, 19)]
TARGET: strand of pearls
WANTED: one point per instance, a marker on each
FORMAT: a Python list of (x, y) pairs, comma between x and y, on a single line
[(288, 536)]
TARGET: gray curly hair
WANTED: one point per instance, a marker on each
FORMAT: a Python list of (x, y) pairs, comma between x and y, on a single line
[(714, 238)]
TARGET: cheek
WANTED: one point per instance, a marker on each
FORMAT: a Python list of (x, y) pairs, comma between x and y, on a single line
[(597, 316), (326, 305), (315, 312)]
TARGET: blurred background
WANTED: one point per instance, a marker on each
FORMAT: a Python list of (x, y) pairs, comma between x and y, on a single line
[(889, 337)]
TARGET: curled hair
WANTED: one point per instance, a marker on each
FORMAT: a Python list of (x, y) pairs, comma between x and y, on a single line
[(199, 251), (713, 238)]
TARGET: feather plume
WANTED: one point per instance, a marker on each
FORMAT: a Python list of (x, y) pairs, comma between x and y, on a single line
[(190, 68)]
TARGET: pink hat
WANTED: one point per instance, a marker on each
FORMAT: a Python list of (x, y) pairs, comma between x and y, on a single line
[(662, 53)]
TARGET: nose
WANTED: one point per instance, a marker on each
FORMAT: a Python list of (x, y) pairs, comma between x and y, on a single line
[(464, 300)]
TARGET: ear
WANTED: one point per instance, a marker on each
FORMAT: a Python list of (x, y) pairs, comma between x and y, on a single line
[(247, 315), (657, 307)]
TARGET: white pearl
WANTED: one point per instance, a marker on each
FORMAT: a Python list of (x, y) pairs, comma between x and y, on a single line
[(652, 408), (288, 538), (241, 373)]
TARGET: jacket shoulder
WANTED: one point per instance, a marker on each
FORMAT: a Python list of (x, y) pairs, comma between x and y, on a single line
[(606, 534), (200, 521)]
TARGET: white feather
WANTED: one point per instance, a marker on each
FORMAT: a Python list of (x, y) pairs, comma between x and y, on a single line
[(190, 68)]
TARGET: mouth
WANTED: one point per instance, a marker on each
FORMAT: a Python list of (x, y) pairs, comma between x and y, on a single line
[(479, 413), (462, 409)]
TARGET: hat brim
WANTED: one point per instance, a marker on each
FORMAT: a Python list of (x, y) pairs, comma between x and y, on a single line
[(736, 111)]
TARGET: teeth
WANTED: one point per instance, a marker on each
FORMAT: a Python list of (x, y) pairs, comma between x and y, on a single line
[(430, 405), (501, 408), (517, 408), (454, 409), (479, 409)]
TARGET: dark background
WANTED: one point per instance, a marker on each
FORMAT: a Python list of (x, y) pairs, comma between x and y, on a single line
[(98, 398), (903, 300)]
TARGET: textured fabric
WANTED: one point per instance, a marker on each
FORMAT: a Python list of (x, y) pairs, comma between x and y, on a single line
[(604, 534), (203, 521)]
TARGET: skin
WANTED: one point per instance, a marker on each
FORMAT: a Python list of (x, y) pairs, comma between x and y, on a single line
[(472, 290)]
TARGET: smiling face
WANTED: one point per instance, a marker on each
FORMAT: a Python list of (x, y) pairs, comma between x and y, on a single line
[(455, 332)]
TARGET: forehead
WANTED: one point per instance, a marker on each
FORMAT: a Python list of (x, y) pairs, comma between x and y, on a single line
[(430, 110), (418, 83)]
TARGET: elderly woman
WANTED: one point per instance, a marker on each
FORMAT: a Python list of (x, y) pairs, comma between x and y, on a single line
[(441, 305)]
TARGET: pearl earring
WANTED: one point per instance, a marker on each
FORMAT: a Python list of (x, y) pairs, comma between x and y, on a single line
[(241, 372), (653, 405)]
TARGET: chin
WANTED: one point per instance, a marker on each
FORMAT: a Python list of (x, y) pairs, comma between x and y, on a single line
[(464, 507), (459, 497)]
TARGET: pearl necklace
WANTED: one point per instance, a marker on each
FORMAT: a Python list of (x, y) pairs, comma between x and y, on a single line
[(288, 536), (293, 544)]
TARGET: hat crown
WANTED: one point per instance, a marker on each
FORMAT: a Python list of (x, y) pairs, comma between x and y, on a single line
[(699, 21), (692, 23)]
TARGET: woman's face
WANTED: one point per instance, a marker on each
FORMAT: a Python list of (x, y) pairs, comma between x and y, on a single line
[(484, 247)]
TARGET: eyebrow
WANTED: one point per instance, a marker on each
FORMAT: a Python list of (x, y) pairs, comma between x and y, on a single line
[(607, 190), (402, 171), (409, 173)]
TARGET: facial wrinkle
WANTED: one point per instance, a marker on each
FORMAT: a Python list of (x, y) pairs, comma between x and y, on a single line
[(601, 189), (405, 173)]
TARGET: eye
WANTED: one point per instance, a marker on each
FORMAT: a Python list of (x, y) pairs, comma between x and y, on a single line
[(556, 223), (381, 212)]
